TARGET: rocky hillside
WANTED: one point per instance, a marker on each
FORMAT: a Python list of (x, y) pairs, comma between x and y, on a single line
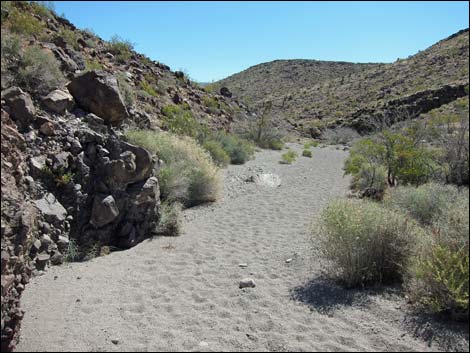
[(71, 185), (358, 93), (277, 77)]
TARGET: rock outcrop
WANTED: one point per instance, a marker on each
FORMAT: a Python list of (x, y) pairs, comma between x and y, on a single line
[(370, 119), (67, 176), (18, 229), (21, 106), (98, 93)]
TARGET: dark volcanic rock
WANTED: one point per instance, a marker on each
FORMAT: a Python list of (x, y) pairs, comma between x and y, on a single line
[(22, 109), (98, 92)]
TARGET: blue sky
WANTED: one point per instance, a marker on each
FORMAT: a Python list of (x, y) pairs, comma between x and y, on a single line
[(212, 40)]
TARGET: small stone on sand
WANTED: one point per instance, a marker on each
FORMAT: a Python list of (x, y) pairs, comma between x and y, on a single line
[(247, 283)]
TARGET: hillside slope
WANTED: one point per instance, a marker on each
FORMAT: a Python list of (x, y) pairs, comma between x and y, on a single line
[(277, 77), (336, 98), (70, 181)]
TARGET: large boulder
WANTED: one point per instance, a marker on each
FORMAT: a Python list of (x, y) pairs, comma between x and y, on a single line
[(51, 209), (104, 211), (98, 92), (133, 164), (22, 109), (59, 101)]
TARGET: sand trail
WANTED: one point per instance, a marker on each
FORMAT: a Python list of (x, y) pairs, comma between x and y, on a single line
[(181, 294)]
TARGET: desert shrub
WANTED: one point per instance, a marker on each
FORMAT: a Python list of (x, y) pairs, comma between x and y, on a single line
[(212, 104), (364, 243), (451, 134), (217, 152), (120, 48), (341, 136), (211, 88), (171, 219), (92, 64), (73, 252), (310, 144), (125, 88), (178, 119), (70, 37), (307, 153), (39, 71), (370, 177), (22, 22), (43, 8), (11, 48), (263, 132), (147, 87), (188, 174), (289, 157), (425, 203), (239, 150), (439, 275), (406, 160)]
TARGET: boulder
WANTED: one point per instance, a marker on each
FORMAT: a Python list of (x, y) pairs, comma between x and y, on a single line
[(42, 260), (47, 129), (268, 179), (59, 101), (133, 165), (52, 210), (224, 91), (22, 109), (37, 165), (104, 211), (98, 92)]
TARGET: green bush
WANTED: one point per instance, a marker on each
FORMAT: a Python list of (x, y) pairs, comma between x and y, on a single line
[(364, 243), (307, 153), (426, 203), (92, 64), (188, 174), (239, 150), (264, 135), (171, 219), (219, 156), (310, 144), (405, 158), (212, 104), (11, 48), (289, 157), (73, 252), (370, 177), (120, 48), (178, 119), (24, 23), (70, 37), (43, 8), (39, 71), (147, 87), (439, 275)]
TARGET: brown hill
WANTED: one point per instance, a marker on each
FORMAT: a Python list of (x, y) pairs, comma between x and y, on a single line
[(319, 94)]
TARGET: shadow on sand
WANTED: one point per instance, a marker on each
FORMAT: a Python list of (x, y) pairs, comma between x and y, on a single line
[(325, 296)]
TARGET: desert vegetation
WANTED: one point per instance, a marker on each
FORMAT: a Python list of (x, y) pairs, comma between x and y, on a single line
[(104, 148), (414, 231), (188, 174)]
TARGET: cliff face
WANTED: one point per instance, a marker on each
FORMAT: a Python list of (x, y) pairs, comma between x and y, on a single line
[(69, 179)]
